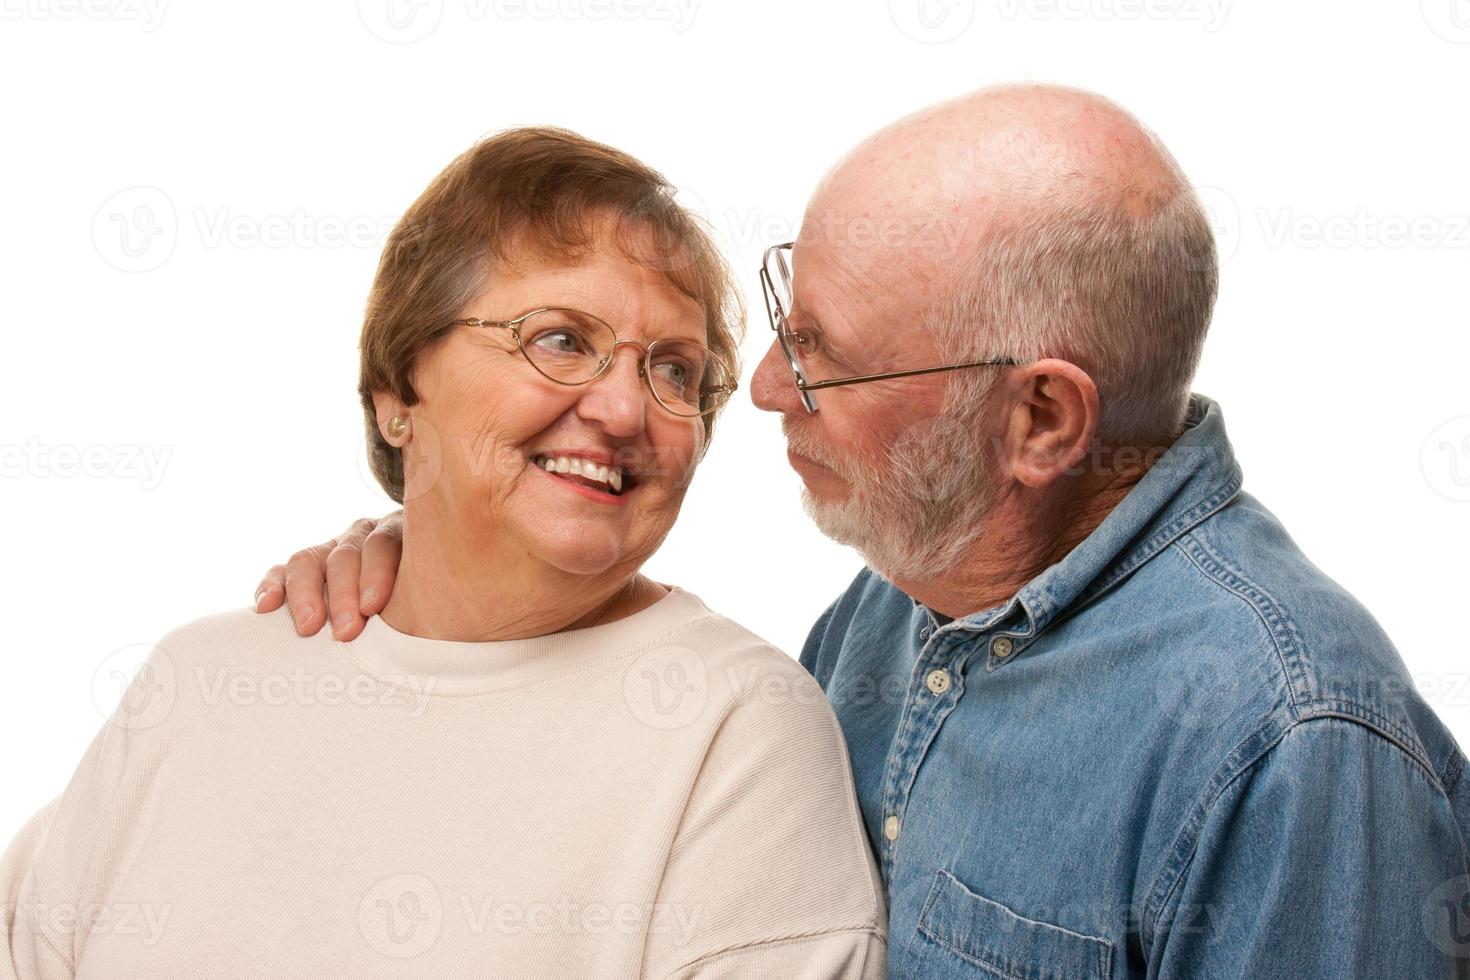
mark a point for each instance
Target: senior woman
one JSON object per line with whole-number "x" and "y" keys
{"x": 535, "y": 762}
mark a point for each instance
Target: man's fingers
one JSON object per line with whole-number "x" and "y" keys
{"x": 344, "y": 562}
{"x": 381, "y": 553}
{"x": 306, "y": 575}
{"x": 271, "y": 591}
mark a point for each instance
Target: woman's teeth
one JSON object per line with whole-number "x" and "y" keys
{"x": 610, "y": 476}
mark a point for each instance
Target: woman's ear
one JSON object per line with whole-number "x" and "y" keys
{"x": 392, "y": 416}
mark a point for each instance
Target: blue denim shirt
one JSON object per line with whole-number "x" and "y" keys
{"x": 1181, "y": 751}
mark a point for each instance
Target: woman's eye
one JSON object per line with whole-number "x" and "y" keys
{"x": 674, "y": 372}
{"x": 559, "y": 341}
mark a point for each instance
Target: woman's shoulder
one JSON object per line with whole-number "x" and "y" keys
{"x": 236, "y": 629}
{"x": 232, "y": 643}
{"x": 740, "y": 668}
{"x": 726, "y": 641}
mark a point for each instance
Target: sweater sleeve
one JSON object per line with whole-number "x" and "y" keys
{"x": 29, "y": 953}
{"x": 770, "y": 873}
{"x": 56, "y": 874}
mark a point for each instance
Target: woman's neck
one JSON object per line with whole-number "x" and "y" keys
{"x": 456, "y": 593}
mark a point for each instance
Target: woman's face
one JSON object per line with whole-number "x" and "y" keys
{"x": 487, "y": 422}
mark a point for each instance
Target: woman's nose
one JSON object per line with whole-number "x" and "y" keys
{"x": 619, "y": 399}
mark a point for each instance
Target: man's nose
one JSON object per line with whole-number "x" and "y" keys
{"x": 618, "y": 400}
{"x": 773, "y": 387}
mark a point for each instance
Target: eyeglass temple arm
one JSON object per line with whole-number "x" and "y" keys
{"x": 838, "y": 382}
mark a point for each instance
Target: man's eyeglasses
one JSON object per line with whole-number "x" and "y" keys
{"x": 575, "y": 348}
{"x": 776, "y": 284}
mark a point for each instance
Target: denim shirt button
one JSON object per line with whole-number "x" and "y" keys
{"x": 938, "y": 681}
{"x": 890, "y": 828}
{"x": 1002, "y": 647}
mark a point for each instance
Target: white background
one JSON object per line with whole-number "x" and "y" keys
{"x": 202, "y": 364}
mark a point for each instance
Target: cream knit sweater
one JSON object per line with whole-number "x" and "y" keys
{"x": 665, "y": 796}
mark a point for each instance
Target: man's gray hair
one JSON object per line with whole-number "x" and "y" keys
{"x": 1121, "y": 283}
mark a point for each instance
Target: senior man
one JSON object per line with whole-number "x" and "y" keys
{"x": 1105, "y": 719}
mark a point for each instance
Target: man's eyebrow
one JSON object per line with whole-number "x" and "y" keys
{"x": 806, "y": 321}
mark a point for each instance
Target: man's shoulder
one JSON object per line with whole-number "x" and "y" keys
{"x": 1278, "y": 639}
{"x": 869, "y": 605}
{"x": 869, "y": 598}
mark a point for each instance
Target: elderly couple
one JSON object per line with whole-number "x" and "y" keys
{"x": 1088, "y": 712}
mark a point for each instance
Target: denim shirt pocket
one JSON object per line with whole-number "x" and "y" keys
{"x": 958, "y": 927}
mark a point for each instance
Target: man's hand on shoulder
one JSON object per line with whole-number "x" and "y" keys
{"x": 357, "y": 569}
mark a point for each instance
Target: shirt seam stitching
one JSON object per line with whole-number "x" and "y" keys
{"x": 1295, "y": 679}
{"x": 1199, "y": 814}
{"x": 869, "y": 929}
{"x": 1291, "y": 649}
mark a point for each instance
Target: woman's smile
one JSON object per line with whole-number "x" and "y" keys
{"x": 603, "y": 482}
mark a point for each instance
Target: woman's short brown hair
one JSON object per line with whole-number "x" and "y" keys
{"x": 534, "y": 190}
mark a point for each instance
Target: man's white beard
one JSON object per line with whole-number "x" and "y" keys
{"x": 919, "y": 511}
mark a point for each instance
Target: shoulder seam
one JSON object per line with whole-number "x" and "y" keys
{"x": 1290, "y": 647}
{"x": 1277, "y": 624}
{"x": 1248, "y": 754}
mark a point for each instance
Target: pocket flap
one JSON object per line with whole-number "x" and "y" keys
{"x": 991, "y": 935}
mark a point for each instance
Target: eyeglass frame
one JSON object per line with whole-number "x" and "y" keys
{"x": 782, "y": 327}
{"x": 644, "y": 364}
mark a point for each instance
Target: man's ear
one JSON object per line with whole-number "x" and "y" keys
{"x": 1054, "y": 418}
{"x": 386, "y": 407}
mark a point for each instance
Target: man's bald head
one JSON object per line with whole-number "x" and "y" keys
{"x": 1032, "y": 221}
{"x": 1018, "y": 142}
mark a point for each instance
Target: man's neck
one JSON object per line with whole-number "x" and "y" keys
{"x": 454, "y": 589}
{"x": 1023, "y": 536}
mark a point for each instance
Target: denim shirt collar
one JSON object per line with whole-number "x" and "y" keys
{"x": 1195, "y": 477}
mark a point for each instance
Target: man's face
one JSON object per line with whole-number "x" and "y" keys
{"x": 884, "y": 468}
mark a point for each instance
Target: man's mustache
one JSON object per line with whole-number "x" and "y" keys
{"x": 804, "y": 444}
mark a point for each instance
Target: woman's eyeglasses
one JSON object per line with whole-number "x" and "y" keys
{"x": 575, "y": 348}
